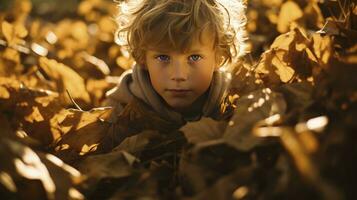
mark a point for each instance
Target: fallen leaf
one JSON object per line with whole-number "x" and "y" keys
{"x": 251, "y": 108}
{"x": 289, "y": 12}
{"x": 203, "y": 130}
{"x": 66, "y": 79}
{"x": 82, "y": 132}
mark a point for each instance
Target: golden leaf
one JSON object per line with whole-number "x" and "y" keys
{"x": 35, "y": 116}
{"x": 13, "y": 33}
{"x": 66, "y": 79}
{"x": 290, "y": 12}
{"x": 8, "y": 31}
{"x": 271, "y": 3}
{"x": 274, "y": 66}
{"x": 82, "y": 131}
{"x": 85, "y": 7}
{"x": 4, "y": 93}
{"x": 20, "y": 30}
{"x": 79, "y": 32}
{"x": 283, "y": 69}
{"x": 322, "y": 47}
{"x": 107, "y": 24}
{"x": 124, "y": 62}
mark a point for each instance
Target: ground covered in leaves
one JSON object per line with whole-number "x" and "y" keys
{"x": 292, "y": 135}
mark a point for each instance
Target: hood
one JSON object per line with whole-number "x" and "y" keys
{"x": 136, "y": 83}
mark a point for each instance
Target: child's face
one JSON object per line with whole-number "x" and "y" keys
{"x": 180, "y": 78}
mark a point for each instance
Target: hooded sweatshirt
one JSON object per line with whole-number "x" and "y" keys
{"x": 136, "y": 83}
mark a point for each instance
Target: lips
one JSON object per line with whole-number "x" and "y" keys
{"x": 178, "y": 92}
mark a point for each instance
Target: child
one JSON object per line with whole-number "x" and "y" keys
{"x": 181, "y": 48}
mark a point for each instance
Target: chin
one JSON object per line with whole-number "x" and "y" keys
{"x": 178, "y": 105}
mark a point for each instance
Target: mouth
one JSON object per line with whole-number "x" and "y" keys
{"x": 178, "y": 92}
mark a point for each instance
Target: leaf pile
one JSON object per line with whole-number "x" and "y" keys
{"x": 291, "y": 136}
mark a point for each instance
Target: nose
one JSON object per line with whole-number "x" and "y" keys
{"x": 179, "y": 71}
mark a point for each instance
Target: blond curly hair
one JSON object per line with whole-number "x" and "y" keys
{"x": 173, "y": 24}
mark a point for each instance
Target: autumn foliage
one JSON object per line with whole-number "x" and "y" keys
{"x": 292, "y": 134}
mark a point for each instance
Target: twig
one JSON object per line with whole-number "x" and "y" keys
{"x": 342, "y": 8}
{"x": 72, "y": 100}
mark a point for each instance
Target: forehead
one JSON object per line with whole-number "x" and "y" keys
{"x": 203, "y": 40}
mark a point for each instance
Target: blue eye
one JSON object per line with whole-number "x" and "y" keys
{"x": 163, "y": 58}
{"x": 195, "y": 58}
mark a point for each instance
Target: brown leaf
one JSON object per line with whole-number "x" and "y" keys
{"x": 112, "y": 165}
{"x": 274, "y": 67}
{"x": 35, "y": 175}
{"x": 82, "y": 132}
{"x": 250, "y": 109}
{"x": 32, "y": 108}
{"x": 205, "y": 129}
{"x": 290, "y": 55}
{"x": 66, "y": 79}
{"x": 313, "y": 15}
{"x": 97, "y": 89}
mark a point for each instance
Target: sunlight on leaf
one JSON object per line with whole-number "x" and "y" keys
{"x": 66, "y": 79}
{"x": 241, "y": 192}
{"x": 35, "y": 116}
{"x": 75, "y": 194}
{"x": 290, "y": 11}
{"x": 4, "y": 93}
{"x": 203, "y": 130}
{"x": 315, "y": 124}
{"x": 6, "y": 180}
{"x": 60, "y": 163}
{"x": 38, "y": 49}
{"x": 31, "y": 167}
{"x": 86, "y": 149}
{"x": 8, "y": 31}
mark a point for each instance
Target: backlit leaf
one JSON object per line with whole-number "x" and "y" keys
{"x": 66, "y": 79}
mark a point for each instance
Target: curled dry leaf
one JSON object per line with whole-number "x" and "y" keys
{"x": 251, "y": 108}
{"x": 291, "y": 55}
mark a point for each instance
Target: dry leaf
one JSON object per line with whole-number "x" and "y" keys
{"x": 313, "y": 15}
{"x": 251, "y": 108}
{"x": 289, "y": 12}
{"x": 32, "y": 108}
{"x": 82, "y": 132}
{"x": 66, "y": 79}
{"x": 203, "y": 130}
{"x": 47, "y": 176}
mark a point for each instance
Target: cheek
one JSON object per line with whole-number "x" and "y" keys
{"x": 203, "y": 80}
{"x": 157, "y": 79}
